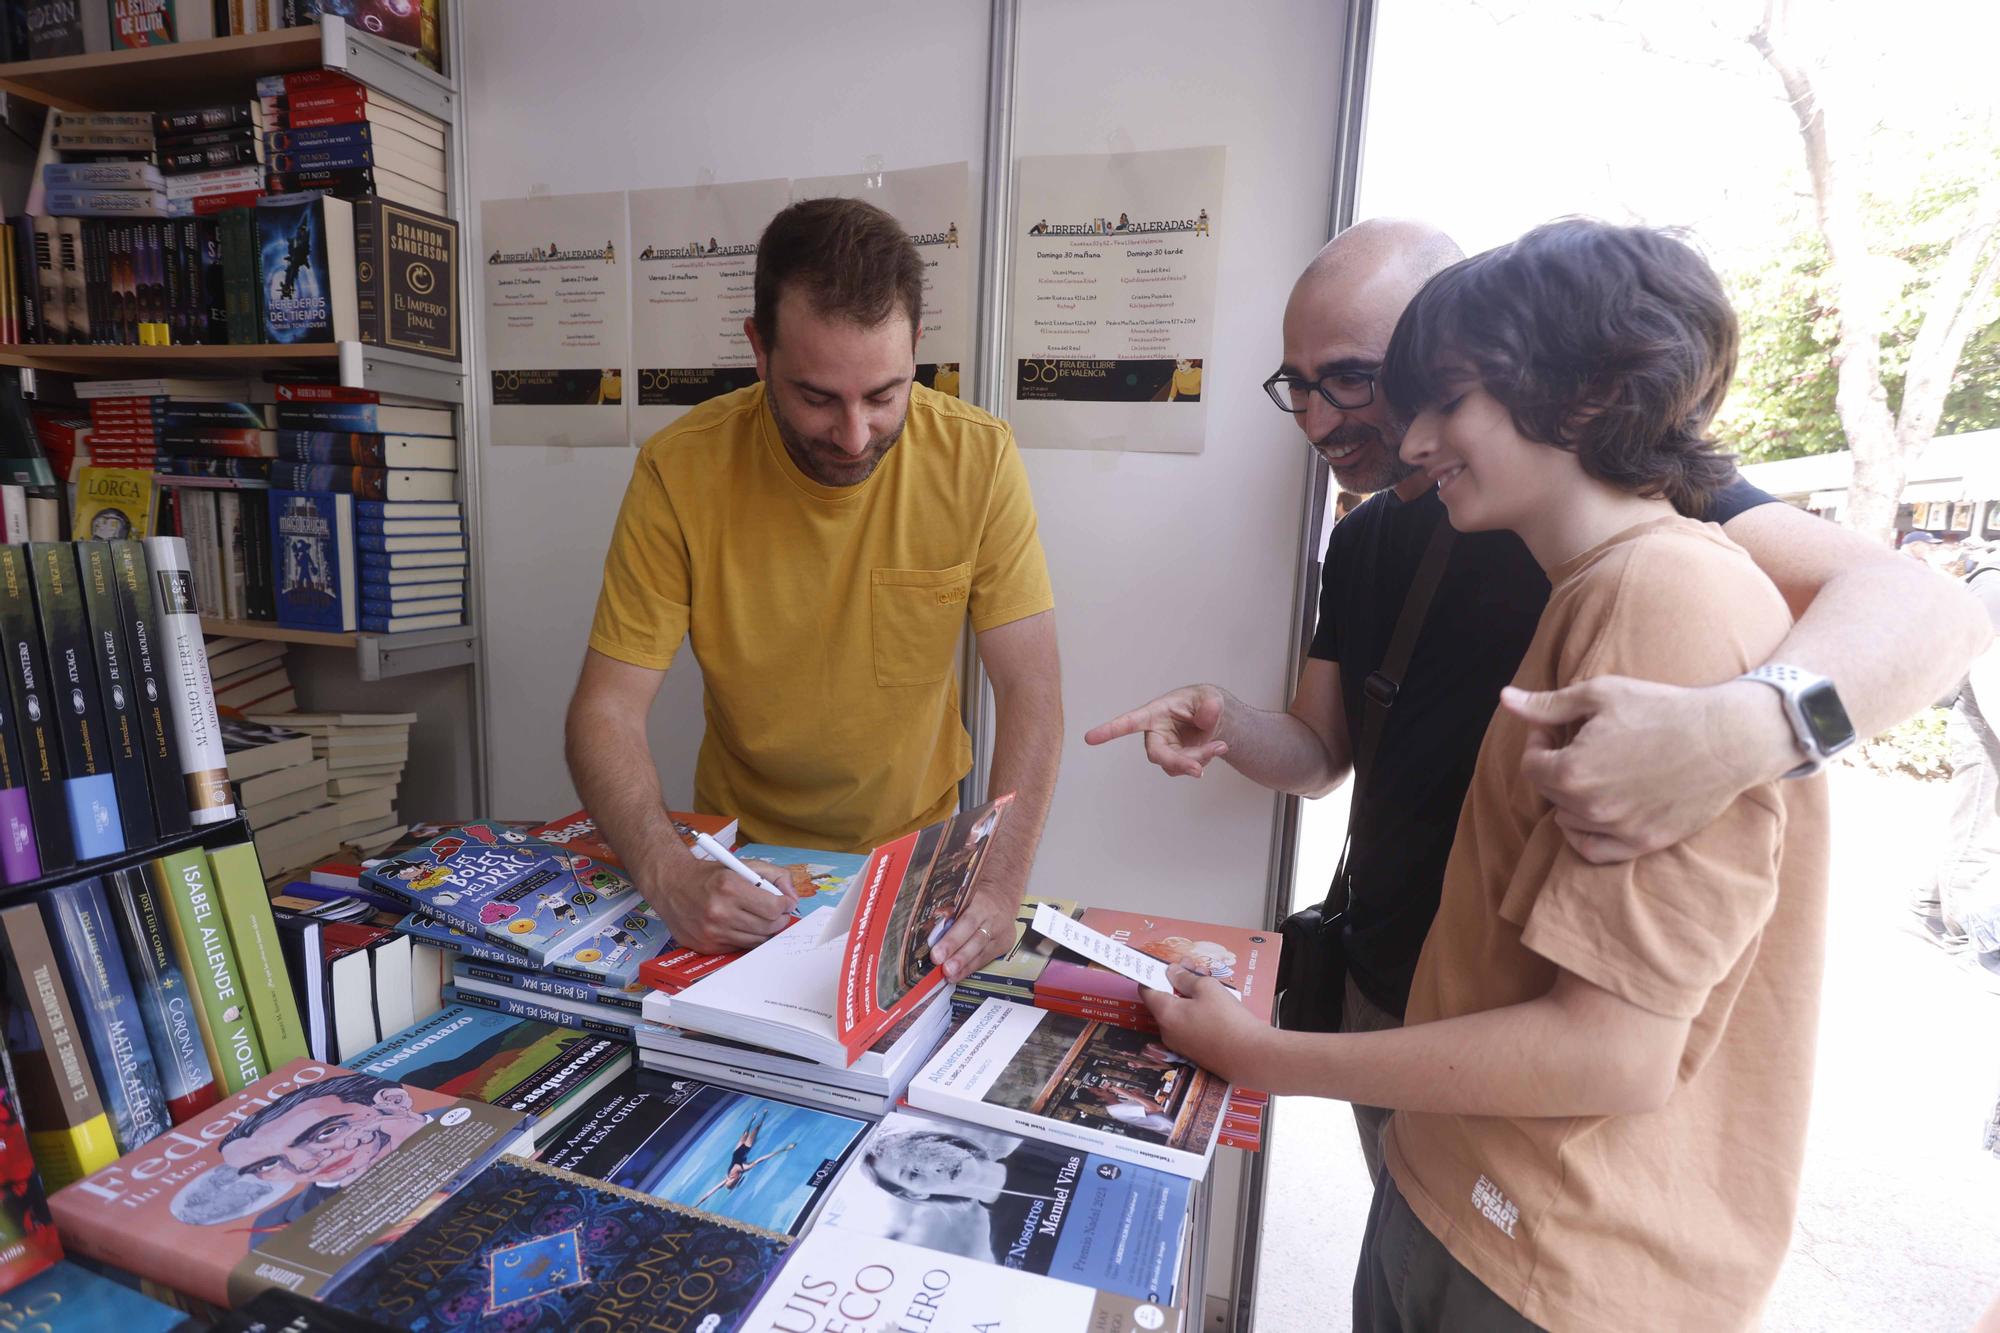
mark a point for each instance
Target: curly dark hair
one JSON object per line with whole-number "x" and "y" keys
{"x": 851, "y": 258}
{"x": 1614, "y": 343}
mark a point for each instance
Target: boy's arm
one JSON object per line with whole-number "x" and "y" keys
{"x": 1577, "y": 1051}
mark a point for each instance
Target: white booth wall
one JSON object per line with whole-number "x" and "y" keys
{"x": 1167, "y": 568}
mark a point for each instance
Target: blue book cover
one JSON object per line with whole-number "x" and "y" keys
{"x": 320, "y": 136}
{"x": 1019, "y": 1203}
{"x": 107, "y": 1008}
{"x": 610, "y": 950}
{"x": 402, "y": 625}
{"x": 469, "y": 967}
{"x": 514, "y": 891}
{"x": 312, "y": 544}
{"x": 67, "y": 1296}
{"x": 334, "y": 157}
{"x": 293, "y": 271}
{"x": 819, "y": 877}
{"x": 173, "y": 1028}
{"x": 522, "y": 1246}
{"x": 744, "y": 1157}
{"x": 378, "y": 541}
{"x": 617, "y": 1023}
{"x": 368, "y": 419}
{"x": 375, "y": 511}
{"x": 381, "y": 611}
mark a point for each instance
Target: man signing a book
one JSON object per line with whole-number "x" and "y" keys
{"x": 822, "y": 537}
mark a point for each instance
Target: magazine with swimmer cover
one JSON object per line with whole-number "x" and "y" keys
{"x": 290, "y": 1182}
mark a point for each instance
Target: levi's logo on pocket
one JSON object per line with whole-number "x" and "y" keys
{"x": 951, "y": 596}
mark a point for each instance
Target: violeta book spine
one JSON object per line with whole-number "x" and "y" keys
{"x": 202, "y": 945}
{"x": 166, "y": 1002}
{"x": 260, "y": 956}
{"x": 204, "y": 767}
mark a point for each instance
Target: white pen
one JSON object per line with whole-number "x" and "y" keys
{"x": 717, "y": 852}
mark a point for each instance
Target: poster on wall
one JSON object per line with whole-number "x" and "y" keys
{"x": 557, "y": 318}
{"x": 1114, "y": 299}
{"x": 934, "y": 204}
{"x": 694, "y": 262}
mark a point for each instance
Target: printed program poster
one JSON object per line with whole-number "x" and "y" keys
{"x": 557, "y": 318}
{"x": 934, "y": 204}
{"x": 1114, "y": 299}
{"x": 694, "y": 262}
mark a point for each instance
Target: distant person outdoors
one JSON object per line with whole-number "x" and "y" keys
{"x": 1959, "y": 907}
{"x": 1630, "y": 766}
{"x": 1601, "y": 1091}
{"x": 823, "y": 537}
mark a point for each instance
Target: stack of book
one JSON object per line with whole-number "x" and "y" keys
{"x": 210, "y": 158}
{"x": 105, "y": 166}
{"x": 364, "y": 755}
{"x": 250, "y": 676}
{"x": 281, "y": 789}
{"x": 356, "y": 982}
{"x": 326, "y": 131}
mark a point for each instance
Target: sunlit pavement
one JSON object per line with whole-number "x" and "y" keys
{"x": 1899, "y": 1216}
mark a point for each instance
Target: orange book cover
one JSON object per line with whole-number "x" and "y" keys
{"x": 1244, "y": 960}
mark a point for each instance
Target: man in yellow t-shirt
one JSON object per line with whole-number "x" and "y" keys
{"x": 822, "y": 538}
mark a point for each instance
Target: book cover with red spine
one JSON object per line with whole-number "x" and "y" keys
{"x": 904, "y": 900}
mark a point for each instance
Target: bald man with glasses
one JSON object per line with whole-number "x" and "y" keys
{"x": 1630, "y": 766}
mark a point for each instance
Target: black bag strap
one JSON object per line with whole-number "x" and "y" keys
{"x": 1383, "y": 684}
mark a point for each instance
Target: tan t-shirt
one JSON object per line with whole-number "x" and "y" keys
{"x": 1679, "y": 1218}
{"x": 826, "y": 619}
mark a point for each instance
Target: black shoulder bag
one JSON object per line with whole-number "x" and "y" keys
{"x": 1312, "y": 970}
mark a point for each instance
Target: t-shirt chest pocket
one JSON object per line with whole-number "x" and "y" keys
{"x": 916, "y": 617}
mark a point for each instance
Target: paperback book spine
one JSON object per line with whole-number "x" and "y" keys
{"x": 68, "y": 1128}
{"x": 19, "y": 862}
{"x": 94, "y": 821}
{"x": 239, "y": 882}
{"x": 134, "y": 597}
{"x": 567, "y": 988}
{"x": 34, "y": 710}
{"x": 123, "y": 730}
{"x": 522, "y": 1007}
{"x": 94, "y": 971}
{"x": 165, "y": 1002}
{"x": 202, "y": 945}
{"x": 204, "y": 767}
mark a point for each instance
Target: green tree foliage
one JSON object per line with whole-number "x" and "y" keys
{"x": 1782, "y": 403}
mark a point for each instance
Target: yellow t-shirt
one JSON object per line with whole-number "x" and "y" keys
{"x": 826, "y": 619}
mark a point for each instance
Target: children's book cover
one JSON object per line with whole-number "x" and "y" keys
{"x": 524, "y": 1246}
{"x": 578, "y": 832}
{"x": 731, "y": 1153}
{"x": 610, "y": 949}
{"x": 312, "y": 537}
{"x": 495, "y": 880}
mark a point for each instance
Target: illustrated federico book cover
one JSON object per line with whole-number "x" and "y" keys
{"x": 497, "y": 882}
{"x": 208, "y": 1207}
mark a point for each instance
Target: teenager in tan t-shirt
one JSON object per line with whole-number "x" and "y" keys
{"x": 1602, "y": 1090}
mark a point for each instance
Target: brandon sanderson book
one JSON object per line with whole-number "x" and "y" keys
{"x": 291, "y": 1182}
{"x": 526, "y": 1247}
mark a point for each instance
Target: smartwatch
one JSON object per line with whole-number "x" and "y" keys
{"x": 1819, "y": 720}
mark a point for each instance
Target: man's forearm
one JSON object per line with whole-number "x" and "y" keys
{"x": 1277, "y": 750}
{"x": 1027, "y": 750}
{"x": 613, "y": 771}
{"x": 1893, "y": 641}
{"x": 1524, "y": 1061}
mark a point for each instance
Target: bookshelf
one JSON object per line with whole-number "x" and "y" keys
{"x": 227, "y": 833}
{"x": 339, "y": 669}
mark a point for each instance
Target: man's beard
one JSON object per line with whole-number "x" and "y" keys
{"x": 1376, "y": 466}
{"x": 827, "y": 463}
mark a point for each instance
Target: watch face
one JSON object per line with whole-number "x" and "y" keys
{"x": 1823, "y": 712}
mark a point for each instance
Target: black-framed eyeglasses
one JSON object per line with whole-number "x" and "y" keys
{"x": 1344, "y": 389}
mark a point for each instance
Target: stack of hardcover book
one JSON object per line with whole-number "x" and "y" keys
{"x": 363, "y": 755}
{"x": 106, "y": 166}
{"x": 329, "y": 132}
{"x": 210, "y": 158}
